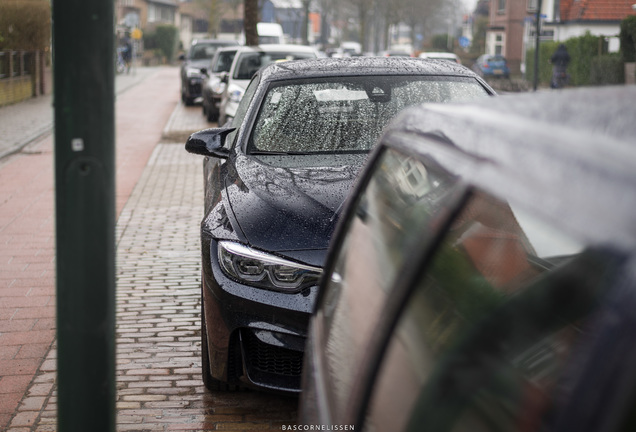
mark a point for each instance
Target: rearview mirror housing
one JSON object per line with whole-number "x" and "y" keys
{"x": 209, "y": 142}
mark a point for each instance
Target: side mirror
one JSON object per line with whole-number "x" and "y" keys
{"x": 224, "y": 78}
{"x": 204, "y": 71}
{"x": 209, "y": 142}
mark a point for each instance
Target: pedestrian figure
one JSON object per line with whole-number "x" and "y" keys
{"x": 126, "y": 54}
{"x": 560, "y": 60}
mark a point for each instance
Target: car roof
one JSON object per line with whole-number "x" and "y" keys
{"x": 570, "y": 155}
{"x": 276, "y": 48}
{"x": 214, "y": 41}
{"x": 439, "y": 54}
{"x": 360, "y": 66}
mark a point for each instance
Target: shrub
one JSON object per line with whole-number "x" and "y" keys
{"x": 163, "y": 39}
{"x": 628, "y": 38}
{"x": 583, "y": 50}
{"x": 607, "y": 70}
{"x": 25, "y": 25}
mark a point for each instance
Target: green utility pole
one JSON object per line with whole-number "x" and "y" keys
{"x": 83, "y": 56}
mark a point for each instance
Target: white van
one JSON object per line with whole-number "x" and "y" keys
{"x": 270, "y": 33}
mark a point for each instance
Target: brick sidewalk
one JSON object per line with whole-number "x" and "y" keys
{"x": 158, "y": 294}
{"x": 27, "y": 268}
{"x": 158, "y": 328}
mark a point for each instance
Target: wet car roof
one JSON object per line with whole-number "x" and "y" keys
{"x": 573, "y": 150}
{"x": 360, "y": 66}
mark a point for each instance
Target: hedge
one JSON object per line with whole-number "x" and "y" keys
{"x": 163, "y": 39}
{"x": 628, "y": 38}
{"x": 584, "y": 52}
{"x": 25, "y": 25}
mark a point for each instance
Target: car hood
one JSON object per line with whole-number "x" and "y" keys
{"x": 290, "y": 203}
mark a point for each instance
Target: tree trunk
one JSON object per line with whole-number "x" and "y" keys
{"x": 250, "y": 19}
{"x": 304, "y": 33}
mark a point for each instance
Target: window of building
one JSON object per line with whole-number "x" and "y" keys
{"x": 159, "y": 13}
{"x": 501, "y": 6}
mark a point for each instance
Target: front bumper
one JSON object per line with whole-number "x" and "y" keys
{"x": 255, "y": 337}
{"x": 194, "y": 87}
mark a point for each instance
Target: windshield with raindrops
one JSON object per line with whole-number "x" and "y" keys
{"x": 345, "y": 114}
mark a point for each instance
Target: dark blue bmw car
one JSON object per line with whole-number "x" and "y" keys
{"x": 275, "y": 184}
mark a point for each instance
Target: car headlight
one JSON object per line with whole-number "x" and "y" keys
{"x": 193, "y": 72}
{"x": 213, "y": 82}
{"x": 218, "y": 88}
{"x": 235, "y": 93}
{"x": 263, "y": 270}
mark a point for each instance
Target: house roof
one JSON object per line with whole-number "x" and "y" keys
{"x": 595, "y": 10}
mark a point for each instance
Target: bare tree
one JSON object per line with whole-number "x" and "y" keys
{"x": 363, "y": 10}
{"x": 215, "y": 10}
{"x": 420, "y": 14}
{"x": 305, "y": 30}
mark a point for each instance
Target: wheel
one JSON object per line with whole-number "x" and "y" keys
{"x": 209, "y": 381}
{"x": 188, "y": 101}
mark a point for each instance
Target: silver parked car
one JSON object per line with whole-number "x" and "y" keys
{"x": 247, "y": 61}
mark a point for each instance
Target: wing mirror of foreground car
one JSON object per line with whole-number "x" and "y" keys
{"x": 209, "y": 142}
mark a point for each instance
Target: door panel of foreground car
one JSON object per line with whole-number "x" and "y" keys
{"x": 401, "y": 195}
{"x": 476, "y": 336}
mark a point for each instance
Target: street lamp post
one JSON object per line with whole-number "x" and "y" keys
{"x": 536, "y": 46}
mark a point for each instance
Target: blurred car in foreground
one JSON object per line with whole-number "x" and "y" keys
{"x": 247, "y": 61}
{"x": 214, "y": 81}
{"x": 452, "y": 57}
{"x": 199, "y": 55}
{"x": 274, "y": 194}
{"x": 491, "y": 66}
{"x": 483, "y": 274}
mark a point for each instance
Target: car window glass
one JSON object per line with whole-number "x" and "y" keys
{"x": 345, "y": 114}
{"x": 224, "y": 61}
{"x": 401, "y": 194}
{"x": 242, "y": 109}
{"x": 482, "y": 341}
{"x": 249, "y": 63}
{"x": 202, "y": 51}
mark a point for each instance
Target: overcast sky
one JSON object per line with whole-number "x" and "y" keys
{"x": 469, "y": 5}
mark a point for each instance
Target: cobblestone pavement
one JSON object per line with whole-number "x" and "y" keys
{"x": 27, "y": 121}
{"x": 158, "y": 328}
{"x": 27, "y": 232}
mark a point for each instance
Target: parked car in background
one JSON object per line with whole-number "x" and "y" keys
{"x": 482, "y": 276}
{"x": 395, "y": 53}
{"x": 492, "y": 66}
{"x": 247, "y": 61}
{"x": 274, "y": 188}
{"x": 214, "y": 81}
{"x": 199, "y": 55}
{"x": 441, "y": 56}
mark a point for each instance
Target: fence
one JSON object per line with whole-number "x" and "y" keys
{"x": 23, "y": 75}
